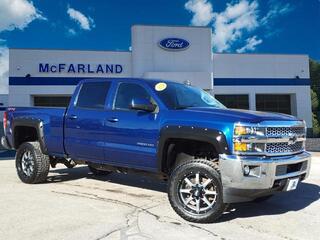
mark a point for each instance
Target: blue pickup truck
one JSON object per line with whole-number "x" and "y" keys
{"x": 210, "y": 155}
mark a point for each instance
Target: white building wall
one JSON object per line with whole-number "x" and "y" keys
{"x": 266, "y": 66}
{"x": 199, "y": 79}
{"x": 260, "y": 66}
{"x": 23, "y": 95}
{"x": 300, "y": 93}
{"x": 193, "y": 64}
{"x": 26, "y": 61}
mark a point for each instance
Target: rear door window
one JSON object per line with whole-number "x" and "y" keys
{"x": 93, "y": 95}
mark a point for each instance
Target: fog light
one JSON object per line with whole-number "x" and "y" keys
{"x": 240, "y": 147}
{"x": 246, "y": 170}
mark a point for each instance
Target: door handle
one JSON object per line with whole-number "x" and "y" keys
{"x": 73, "y": 117}
{"x": 113, "y": 120}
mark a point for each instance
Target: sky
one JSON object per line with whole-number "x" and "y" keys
{"x": 238, "y": 26}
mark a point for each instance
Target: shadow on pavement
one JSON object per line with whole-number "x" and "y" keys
{"x": 280, "y": 203}
{"x": 132, "y": 180}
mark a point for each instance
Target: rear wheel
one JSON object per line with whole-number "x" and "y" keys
{"x": 195, "y": 191}
{"x": 98, "y": 172}
{"x": 31, "y": 164}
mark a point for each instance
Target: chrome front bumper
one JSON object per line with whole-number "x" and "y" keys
{"x": 267, "y": 175}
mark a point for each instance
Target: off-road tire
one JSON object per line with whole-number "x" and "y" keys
{"x": 97, "y": 172}
{"x": 203, "y": 166}
{"x": 41, "y": 163}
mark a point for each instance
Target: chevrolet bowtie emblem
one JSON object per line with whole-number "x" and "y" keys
{"x": 292, "y": 140}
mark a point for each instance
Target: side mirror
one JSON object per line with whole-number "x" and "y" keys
{"x": 142, "y": 104}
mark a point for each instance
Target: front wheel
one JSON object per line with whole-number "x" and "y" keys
{"x": 195, "y": 191}
{"x": 31, "y": 164}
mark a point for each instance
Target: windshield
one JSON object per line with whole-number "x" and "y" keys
{"x": 180, "y": 96}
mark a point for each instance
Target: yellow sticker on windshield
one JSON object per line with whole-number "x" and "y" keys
{"x": 160, "y": 86}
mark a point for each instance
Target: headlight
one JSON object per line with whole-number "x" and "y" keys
{"x": 247, "y": 132}
{"x": 240, "y": 130}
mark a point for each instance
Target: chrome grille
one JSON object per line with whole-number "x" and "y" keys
{"x": 283, "y": 147}
{"x": 272, "y": 138}
{"x": 285, "y": 131}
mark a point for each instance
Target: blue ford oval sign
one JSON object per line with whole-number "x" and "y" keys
{"x": 174, "y": 44}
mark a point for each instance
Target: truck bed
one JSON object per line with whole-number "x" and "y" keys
{"x": 53, "y": 122}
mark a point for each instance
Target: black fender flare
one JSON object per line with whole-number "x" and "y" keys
{"x": 34, "y": 123}
{"x": 212, "y": 136}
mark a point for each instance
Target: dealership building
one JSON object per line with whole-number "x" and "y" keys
{"x": 266, "y": 82}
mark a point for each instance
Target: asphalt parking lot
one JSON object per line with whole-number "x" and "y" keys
{"x": 73, "y": 204}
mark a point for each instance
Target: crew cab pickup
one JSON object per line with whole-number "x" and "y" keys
{"x": 210, "y": 155}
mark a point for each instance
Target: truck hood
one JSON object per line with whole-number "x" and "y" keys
{"x": 237, "y": 115}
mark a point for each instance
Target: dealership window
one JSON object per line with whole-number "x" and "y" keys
{"x": 51, "y": 101}
{"x": 274, "y": 103}
{"x": 238, "y": 101}
{"x": 93, "y": 95}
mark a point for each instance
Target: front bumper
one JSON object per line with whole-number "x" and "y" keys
{"x": 5, "y": 143}
{"x": 267, "y": 175}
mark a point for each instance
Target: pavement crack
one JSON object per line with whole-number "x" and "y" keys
{"x": 203, "y": 229}
{"x": 177, "y": 222}
{"x": 108, "y": 190}
{"x": 108, "y": 234}
{"x": 96, "y": 197}
{"x": 131, "y": 217}
{"x": 134, "y": 215}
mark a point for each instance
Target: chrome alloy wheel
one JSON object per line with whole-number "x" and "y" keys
{"x": 198, "y": 193}
{"x": 27, "y": 163}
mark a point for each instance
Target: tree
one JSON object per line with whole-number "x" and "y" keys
{"x": 315, "y": 126}
{"x": 314, "y": 101}
{"x": 315, "y": 75}
{"x": 315, "y": 95}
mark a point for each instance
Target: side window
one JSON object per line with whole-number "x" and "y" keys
{"x": 93, "y": 95}
{"x": 128, "y": 91}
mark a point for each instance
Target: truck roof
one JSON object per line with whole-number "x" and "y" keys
{"x": 128, "y": 79}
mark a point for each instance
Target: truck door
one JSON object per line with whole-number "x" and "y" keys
{"x": 131, "y": 135}
{"x": 85, "y": 122}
